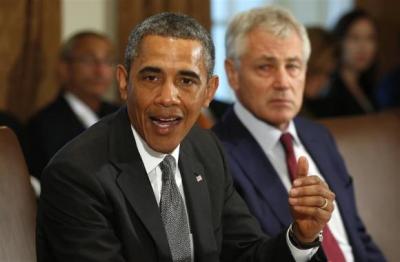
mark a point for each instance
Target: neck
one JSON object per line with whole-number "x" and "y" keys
{"x": 283, "y": 127}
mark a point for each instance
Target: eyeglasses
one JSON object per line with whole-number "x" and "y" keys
{"x": 93, "y": 61}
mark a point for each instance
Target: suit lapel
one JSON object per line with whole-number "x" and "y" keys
{"x": 257, "y": 167}
{"x": 74, "y": 123}
{"x": 197, "y": 201}
{"x": 264, "y": 178}
{"x": 133, "y": 181}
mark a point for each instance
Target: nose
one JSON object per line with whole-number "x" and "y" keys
{"x": 103, "y": 67}
{"x": 168, "y": 94}
{"x": 281, "y": 78}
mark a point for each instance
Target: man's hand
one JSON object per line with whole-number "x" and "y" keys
{"x": 311, "y": 204}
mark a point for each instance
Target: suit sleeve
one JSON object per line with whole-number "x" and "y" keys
{"x": 74, "y": 218}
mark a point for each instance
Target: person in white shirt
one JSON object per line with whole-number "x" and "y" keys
{"x": 86, "y": 71}
{"x": 267, "y": 53}
{"x": 147, "y": 184}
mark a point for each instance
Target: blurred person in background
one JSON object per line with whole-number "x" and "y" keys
{"x": 321, "y": 64}
{"x": 86, "y": 71}
{"x": 353, "y": 83}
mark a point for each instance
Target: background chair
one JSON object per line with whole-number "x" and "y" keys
{"x": 17, "y": 203}
{"x": 370, "y": 146}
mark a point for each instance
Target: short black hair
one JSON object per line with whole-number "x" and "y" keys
{"x": 67, "y": 48}
{"x": 171, "y": 25}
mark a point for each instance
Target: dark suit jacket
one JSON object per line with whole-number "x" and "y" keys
{"x": 9, "y": 120}
{"x": 97, "y": 203}
{"x": 52, "y": 128}
{"x": 258, "y": 183}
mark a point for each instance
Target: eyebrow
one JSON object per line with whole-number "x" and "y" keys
{"x": 274, "y": 59}
{"x": 189, "y": 74}
{"x": 150, "y": 69}
{"x": 294, "y": 59}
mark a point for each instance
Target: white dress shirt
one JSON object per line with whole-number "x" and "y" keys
{"x": 84, "y": 113}
{"x": 267, "y": 137}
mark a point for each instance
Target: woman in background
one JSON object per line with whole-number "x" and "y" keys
{"x": 321, "y": 64}
{"x": 352, "y": 84}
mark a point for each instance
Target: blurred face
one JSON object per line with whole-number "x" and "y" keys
{"x": 166, "y": 89}
{"x": 90, "y": 70}
{"x": 359, "y": 46}
{"x": 269, "y": 81}
{"x": 318, "y": 73}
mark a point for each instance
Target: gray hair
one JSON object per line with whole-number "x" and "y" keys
{"x": 171, "y": 25}
{"x": 68, "y": 47}
{"x": 278, "y": 21}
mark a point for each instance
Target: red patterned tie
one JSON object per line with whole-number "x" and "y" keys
{"x": 286, "y": 140}
{"x": 329, "y": 243}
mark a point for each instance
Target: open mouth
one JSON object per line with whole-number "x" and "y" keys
{"x": 165, "y": 124}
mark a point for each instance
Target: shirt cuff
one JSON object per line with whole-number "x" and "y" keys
{"x": 300, "y": 255}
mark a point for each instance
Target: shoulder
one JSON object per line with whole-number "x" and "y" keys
{"x": 81, "y": 165}
{"x": 107, "y": 108}
{"x": 87, "y": 150}
{"x": 53, "y": 111}
{"x": 306, "y": 125}
{"x": 202, "y": 140}
{"x": 229, "y": 127}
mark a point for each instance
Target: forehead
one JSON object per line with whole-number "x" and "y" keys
{"x": 92, "y": 44}
{"x": 262, "y": 43}
{"x": 170, "y": 53}
{"x": 362, "y": 25}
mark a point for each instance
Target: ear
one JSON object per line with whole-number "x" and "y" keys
{"x": 212, "y": 87}
{"x": 122, "y": 80}
{"x": 232, "y": 74}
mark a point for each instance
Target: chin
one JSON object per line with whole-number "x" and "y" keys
{"x": 280, "y": 121}
{"x": 164, "y": 148}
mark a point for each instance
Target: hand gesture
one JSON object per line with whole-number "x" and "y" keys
{"x": 311, "y": 204}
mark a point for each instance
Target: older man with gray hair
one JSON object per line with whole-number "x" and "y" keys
{"x": 267, "y": 51}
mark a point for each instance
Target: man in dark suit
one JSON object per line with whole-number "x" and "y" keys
{"x": 143, "y": 184}
{"x": 267, "y": 53}
{"x": 86, "y": 71}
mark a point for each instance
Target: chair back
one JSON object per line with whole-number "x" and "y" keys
{"x": 370, "y": 146}
{"x": 17, "y": 202}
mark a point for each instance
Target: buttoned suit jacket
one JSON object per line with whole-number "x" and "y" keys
{"x": 97, "y": 203}
{"x": 258, "y": 183}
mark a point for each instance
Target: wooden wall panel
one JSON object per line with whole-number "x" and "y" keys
{"x": 30, "y": 33}
{"x": 131, "y": 13}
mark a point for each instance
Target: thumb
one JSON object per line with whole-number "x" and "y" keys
{"x": 302, "y": 167}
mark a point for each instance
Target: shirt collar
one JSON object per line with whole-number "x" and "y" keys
{"x": 150, "y": 158}
{"x": 83, "y": 111}
{"x": 265, "y": 134}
